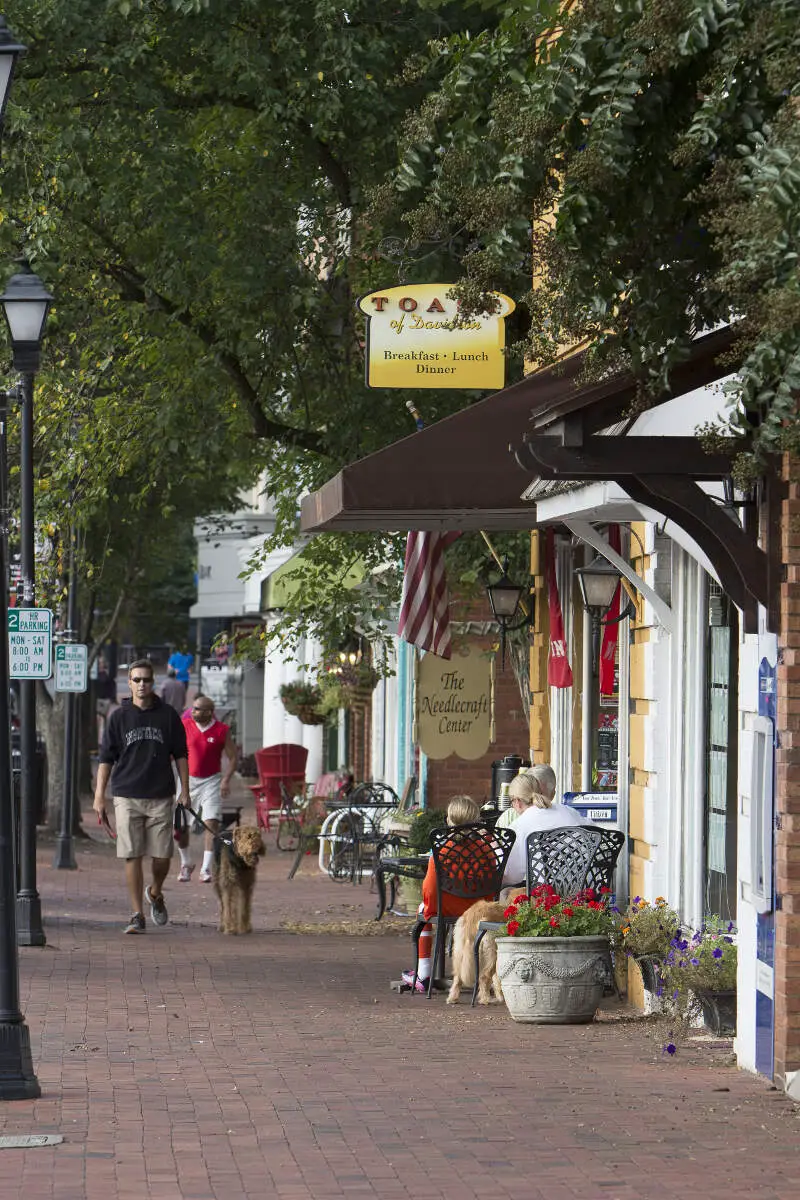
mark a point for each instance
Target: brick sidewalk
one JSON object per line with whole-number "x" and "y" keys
{"x": 183, "y": 1065}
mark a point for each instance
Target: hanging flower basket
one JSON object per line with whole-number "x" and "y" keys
{"x": 302, "y": 700}
{"x": 348, "y": 687}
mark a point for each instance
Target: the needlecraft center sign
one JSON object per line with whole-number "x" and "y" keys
{"x": 454, "y": 703}
{"x": 416, "y": 338}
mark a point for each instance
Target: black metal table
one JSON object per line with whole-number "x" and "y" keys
{"x": 405, "y": 866}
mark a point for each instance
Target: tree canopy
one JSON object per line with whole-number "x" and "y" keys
{"x": 640, "y": 160}
{"x": 190, "y": 179}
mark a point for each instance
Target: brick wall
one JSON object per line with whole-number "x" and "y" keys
{"x": 787, "y": 865}
{"x": 452, "y": 776}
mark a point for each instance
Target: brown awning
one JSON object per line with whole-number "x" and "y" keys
{"x": 461, "y": 473}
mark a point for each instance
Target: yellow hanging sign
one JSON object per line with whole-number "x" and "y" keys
{"x": 417, "y": 339}
{"x": 454, "y": 703}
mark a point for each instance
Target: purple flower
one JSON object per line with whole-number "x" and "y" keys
{"x": 660, "y": 990}
{"x": 716, "y": 953}
{"x": 730, "y": 926}
{"x": 669, "y": 1048}
{"x": 636, "y": 899}
{"x": 728, "y": 940}
{"x": 675, "y": 994}
{"x": 696, "y": 961}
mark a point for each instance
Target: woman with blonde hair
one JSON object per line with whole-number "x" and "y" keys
{"x": 532, "y": 795}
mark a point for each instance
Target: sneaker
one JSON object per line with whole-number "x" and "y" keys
{"x": 420, "y": 986}
{"x": 136, "y": 924}
{"x": 158, "y": 909}
{"x": 185, "y": 873}
{"x": 205, "y": 877}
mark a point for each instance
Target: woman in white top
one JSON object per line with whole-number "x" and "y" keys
{"x": 536, "y": 810}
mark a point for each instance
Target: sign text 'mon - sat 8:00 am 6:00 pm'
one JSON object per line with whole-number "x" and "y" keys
{"x": 30, "y": 653}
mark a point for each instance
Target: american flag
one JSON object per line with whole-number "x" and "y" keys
{"x": 424, "y": 616}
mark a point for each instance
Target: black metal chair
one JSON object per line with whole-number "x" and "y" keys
{"x": 571, "y": 859}
{"x": 469, "y": 861}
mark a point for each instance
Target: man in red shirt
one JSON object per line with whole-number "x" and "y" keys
{"x": 207, "y": 739}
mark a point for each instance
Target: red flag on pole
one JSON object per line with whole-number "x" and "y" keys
{"x": 559, "y": 672}
{"x": 424, "y": 608}
{"x": 608, "y": 650}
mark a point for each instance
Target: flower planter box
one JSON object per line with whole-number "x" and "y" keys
{"x": 553, "y": 980}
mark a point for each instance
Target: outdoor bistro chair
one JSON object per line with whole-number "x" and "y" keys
{"x": 570, "y": 859}
{"x": 469, "y": 861}
{"x": 284, "y": 763}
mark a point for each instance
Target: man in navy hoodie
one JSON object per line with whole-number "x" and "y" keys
{"x": 142, "y": 739}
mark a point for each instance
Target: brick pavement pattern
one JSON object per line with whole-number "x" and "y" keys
{"x": 184, "y": 1065}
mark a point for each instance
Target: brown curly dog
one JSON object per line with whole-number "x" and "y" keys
{"x": 464, "y": 954}
{"x": 235, "y": 878}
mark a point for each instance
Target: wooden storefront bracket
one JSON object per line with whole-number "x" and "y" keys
{"x": 662, "y": 472}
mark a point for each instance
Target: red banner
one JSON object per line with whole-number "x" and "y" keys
{"x": 559, "y": 672}
{"x": 608, "y": 650}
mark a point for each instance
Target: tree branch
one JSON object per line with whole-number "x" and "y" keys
{"x": 134, "y": 286}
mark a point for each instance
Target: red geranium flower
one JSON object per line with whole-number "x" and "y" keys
{"x": 605, "y": 891}
{"x": 568, "y": 912}
{"x": 523, "y": 898}
{"x": 554, "y": 923}
{"x": 511, "y": 911}
{"x": 512, "y": 928}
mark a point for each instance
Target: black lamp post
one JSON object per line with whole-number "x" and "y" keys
{"x": 505, "y": 598}
{"x": 26, "y": 303}
{"x": 17, "y": 1078}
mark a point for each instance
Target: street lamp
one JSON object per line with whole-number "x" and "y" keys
{"x": 10, "y": 50}
{"x": 505, "y": 598}
{"x": 598, "y": 582}
{"x": 26, "y": 303}
{"x": 17, "y": 1078}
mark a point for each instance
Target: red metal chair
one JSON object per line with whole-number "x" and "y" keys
{"x": 282, "y": 764}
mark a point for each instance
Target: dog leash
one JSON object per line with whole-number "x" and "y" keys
{"x": 218, "y": 836}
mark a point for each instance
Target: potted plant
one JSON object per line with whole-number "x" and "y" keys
{"x": 347, "y": 687}
{"x": 699, "y": 976}
{"x": 421, "y": 826}
{"x": 555, "y": 959}
{"x": 302, "y": 700}
{"x": 644, "y": 932}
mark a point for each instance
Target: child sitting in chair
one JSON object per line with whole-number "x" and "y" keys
{"x": 462, "y": 810}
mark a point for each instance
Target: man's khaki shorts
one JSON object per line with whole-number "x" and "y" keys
{"x": 144, "y": 827}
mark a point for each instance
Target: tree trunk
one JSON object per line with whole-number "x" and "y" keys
{"x": 50, "y": 723}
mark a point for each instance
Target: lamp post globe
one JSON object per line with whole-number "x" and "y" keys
{"x": 26, "y": 303}
{"x": 504, "y": 597}
{"x": 10, "y": 50}
{"x": 598, "y": 582}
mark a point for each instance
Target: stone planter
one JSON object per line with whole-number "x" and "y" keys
{"x": 719, "y": 1011}
{"x": 553, "y": 981}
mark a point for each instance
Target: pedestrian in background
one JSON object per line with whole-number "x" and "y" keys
{"x": 143, "y": 738}
{"x": 181, "y": 662}
{"x": 173, "y": 691}
{"x": 207, "y": 739}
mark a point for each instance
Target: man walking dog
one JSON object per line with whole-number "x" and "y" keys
{"x": 142, "y": 739}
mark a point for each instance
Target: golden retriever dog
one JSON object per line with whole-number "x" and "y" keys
{"x": 235, "y": 877}
{"x": 464, "y": 953}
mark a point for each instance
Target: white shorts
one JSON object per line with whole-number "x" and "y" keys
{"x": 205, "y": 797}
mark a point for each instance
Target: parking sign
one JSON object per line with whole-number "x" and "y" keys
{"x": 30, "y": 653}
{"x": 71, "y": 662}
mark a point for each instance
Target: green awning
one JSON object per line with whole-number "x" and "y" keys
{"x": 287, "y": 580}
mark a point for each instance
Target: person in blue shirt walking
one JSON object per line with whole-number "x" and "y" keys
{"x": 181, "y": 661}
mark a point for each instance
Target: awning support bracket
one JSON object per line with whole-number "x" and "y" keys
{"x": 587, "y": 533}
